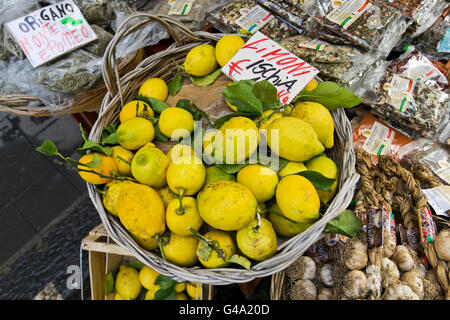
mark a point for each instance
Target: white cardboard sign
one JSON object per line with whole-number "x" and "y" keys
{"x": 50, "y": 32}
{"x": 263, "y": 59}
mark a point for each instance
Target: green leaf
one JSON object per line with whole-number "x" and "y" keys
{"x": 219, "y": 122}
{"x": 184, "y": 104}
{"x": 162, "y": 294}
{"x": 204, "y": 251}
{"x": 96, "y": 147}
{"x": 109, "y": 283}
{"x": 346, "y": 223}
{"x": 171, "y": 296}
{"x": 48, "y": 148}
{"x": 110, "y": 129}
{"x": 203, "y": 114}
{"x": 159, "y": 136}
{"x": 231, "y": 168}
{"x": 165, "y": 282}
{"x": 266, "y": 92}
{"x": 330, "y": 95}
{"x": 156, "y": 105}
{"x": 240, "y": 94}
{"x": 111, "y": 139}
{"x": 206, "y": 80}
{"x": 96, "y": 160}
{"x": 142, "y": 294}
{"x": 318, "y": 180}
{"x": 135, "y": 264}
{"x": 175, "y": 84}
{"x": 240, "y": 260}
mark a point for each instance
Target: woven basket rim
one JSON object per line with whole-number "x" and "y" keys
{"x": 287, "y": 253}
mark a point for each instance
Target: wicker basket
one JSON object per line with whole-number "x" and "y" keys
{"x": 89, "y": 100}
{"x": 164, "y": 65}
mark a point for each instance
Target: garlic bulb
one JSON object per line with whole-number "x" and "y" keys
{"x": 303, "y": 268}
{"x": 325, "y": 294}
{"x": 355, "y": 256}
{"x": 414, "y": 281}
{"x": 355, "y": 284}
{"x": 389, "y": 272}
{"x": 373, "y": 274}
{"x": 303, "y": 290}
{"x": 403, "y": 259}
{"x": 327, "y": 275}
{"x": 400, "y": 291}
{"x": 442, "y": 245}
{"x": 389, "y": 244}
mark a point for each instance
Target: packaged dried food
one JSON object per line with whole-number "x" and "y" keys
{"x": 414, "y": 65}
{"x": 98, "y": 47}
{"x": 332, "y": 60}
{"x": 412, "y": 106}
{"x": 250, "y": 16}
{"x": 365, "y": 23}
{"x": 191, "y": 12}
{"x": 423, "y": 12}
{"x": 435, "y": 42}
{"x": 377, "y": 138}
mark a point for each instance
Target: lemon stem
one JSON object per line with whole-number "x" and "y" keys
{"x": 258, "y": 217}
{"x": 158, "y": 239}
{"x": 180, "y": 210}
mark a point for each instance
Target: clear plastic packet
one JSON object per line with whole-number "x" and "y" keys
{"x": 191, "y": 12}
{"x": 431, "y": 154}
{"x": 10, "y": 10}
{"x": 414, "y": 65}
{"x": 330, "y": 59}
{"x": 17, "y": 76}
{"x": 365, "y": 23}
{"x": 407, "y": 104}
{"x": 98, "y": 47}
{"x": 248, "y": 15}
{"x": 77, "y": 71}
{"x": 377, "y": 137}
{"x": 147, "y": 36}
{"x": 435, "y": 42}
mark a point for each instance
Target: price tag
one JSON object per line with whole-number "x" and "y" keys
{"x": 50, "y": 32}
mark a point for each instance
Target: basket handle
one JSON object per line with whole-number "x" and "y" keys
{"x": 173, "y": 27}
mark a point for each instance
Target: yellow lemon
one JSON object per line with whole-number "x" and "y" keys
{"x": 180, "y": 287}
{"x": 319, "y": 118}
{"x": 310, "y": 86}
{"x": 181, "y": 214}
{"x": 328, "y": 169}
{"x": 291, "y": 168}
{"x": 135, "y": 133}
{"x": 226, "y": 205}
{"x": 237, "y": 140}
{"x": 166, "y": 195}
{"x": 293, "y": 139}
{"x": 111, "y": 196}
{"x": 180, "y": 296}
{"x": 150, "y": 295}
{"x": 225, "y": 246}
{"x": 149, "y": 166}
{"x": 180, "y": 150}
{"x": 107, "y": 168}
{"x": 194, "y": 290}
{"x": 227, "y": 47}
{"x": 257, "y": 240}
{"x": 147, "y": 277}
{"x": 181, "y": 250}
{"x": 263, "y": 124}
{"x": 141, "y": 210}
{"x": 284, "y": 226}
{"x": 145, "y": 241}
{"x": 200, "y": 60}
{"x": 154, "y": 88}
{"x": 260, "y": 180}
{"x": 177, "y": 122}
{"x": 186, "y": 176}
{"x": 135, "y": 108}
{"x": 127, "y": 283}
{"x": 122, "y": 158}
{"x": 118, "y": 297}
{"x": 298, "y": 199}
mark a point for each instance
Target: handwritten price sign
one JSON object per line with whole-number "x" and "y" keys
{"x": 263, "y": 59}
{"x": 50, "y": 32}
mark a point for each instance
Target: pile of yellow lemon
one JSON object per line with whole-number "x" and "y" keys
{"x": 197, "y": 215}
{"x": 130, "y": 282}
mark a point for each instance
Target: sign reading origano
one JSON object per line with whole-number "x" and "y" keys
{"x": 263, "y": 59}
{"x": 50, "y": 32}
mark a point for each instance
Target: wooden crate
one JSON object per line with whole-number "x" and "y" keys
{"x": 106, "y": 256}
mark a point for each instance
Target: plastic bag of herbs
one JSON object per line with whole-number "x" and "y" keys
{"x": 413, "y": 106}
{"x": 367, "y": 24}
{"x": 332, "y": 60}
{"x": 248, "y": 16}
